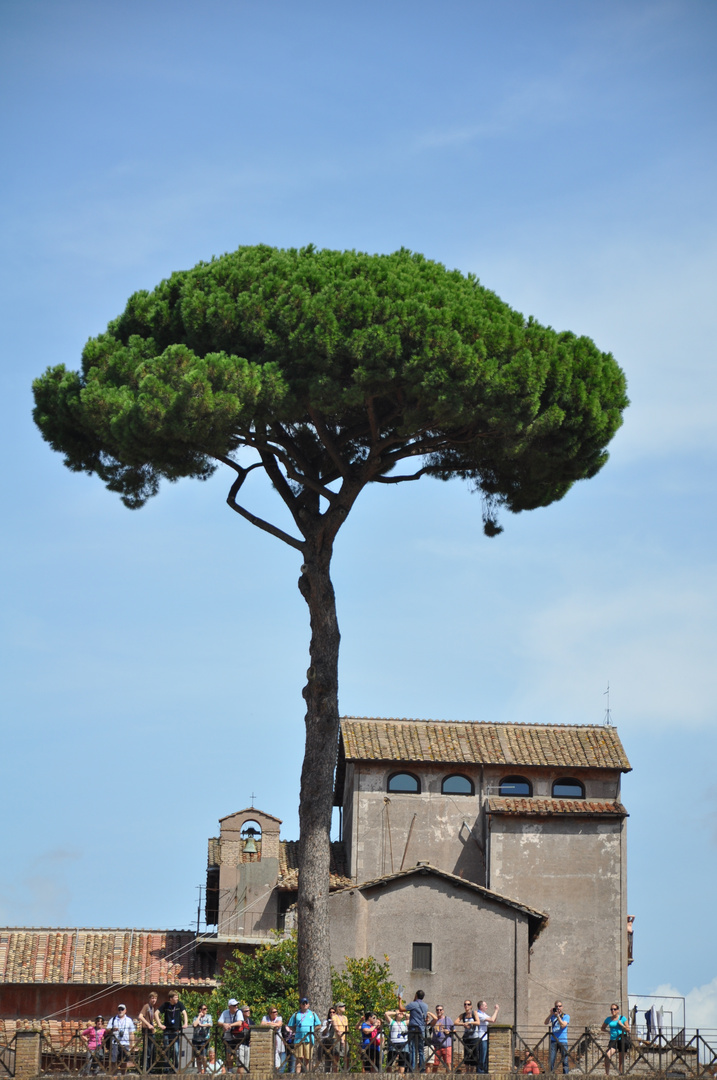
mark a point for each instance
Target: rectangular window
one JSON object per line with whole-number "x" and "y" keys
{"x": 422, "y": 956}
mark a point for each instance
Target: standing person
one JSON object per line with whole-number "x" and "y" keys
{"x": 370, "y": 1030}
{"x": 171, "y": 1018}
{"x": 398, "y": 1060}
{"x": 442, "y": 1027}
{"x": 123, "y": 1030}
{"x": 341, "y": 1027}
{"x": 468, "y": 1020}
{"x": 202, "y": 1029}
{"x": 558, "y": 1022}
{"x": 244, "y": 1048}
{"x": 274, "y": 1020}
{"x": 417, "y": 1015}
{"x": 483, "y": 1020}
{"x": 619, "y": 1029}
{"x": 327, "y": 1038}
{"x": 232, "y": 1020}
{"x": 148, "y": 1026}
{"x": 304, "y": 1024}
{"x": 94, "y": 1037}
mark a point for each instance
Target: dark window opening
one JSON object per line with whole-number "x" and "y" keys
{"x": 457, "y": 785}
{"x": 422, "y": 956}
{"x": 515, "y": 785}
{"x": 404, "y": 783}
{"x": 568, "y": 789}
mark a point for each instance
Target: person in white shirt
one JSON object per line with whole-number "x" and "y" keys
{"x": 123, "y": 1030}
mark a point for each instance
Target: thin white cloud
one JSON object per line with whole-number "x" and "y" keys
{"x": 654, "y": 641}
{"x": 700, "y": 1004}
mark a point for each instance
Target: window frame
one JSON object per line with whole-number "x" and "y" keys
{"x": 458, "y": 776}
{"x": 397, "y": 791}
{"x": 567, "y": 780}
{"x": 514, "y": 794}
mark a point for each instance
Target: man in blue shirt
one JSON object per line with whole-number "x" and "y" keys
{"x": 417, "y": 1014}
{"x": 304, "y": 1024}
{"x": 558, "y": 1021}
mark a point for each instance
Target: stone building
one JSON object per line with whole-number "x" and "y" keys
{"x": 530, "y": 815}
{"x": 482, "y": 858}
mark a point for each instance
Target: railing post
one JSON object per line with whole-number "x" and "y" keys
{"x": 263, "y": 1050}
{"x": 27, "y": 1054}
{"x": 500, "y": 1049}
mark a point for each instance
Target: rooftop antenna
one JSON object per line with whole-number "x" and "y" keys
{"x": 199, "y": 907}
{"x": 608, "y": 715}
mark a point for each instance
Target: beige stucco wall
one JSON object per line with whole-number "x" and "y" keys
{"x": 248, "y": 900}
{"x": 384, "y": 830}
{"x": 480, "y": 947}
{"x": 574, "y": 870}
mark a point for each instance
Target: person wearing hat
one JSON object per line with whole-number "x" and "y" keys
{"x": 232, "y": 1020}
{"x": 94, "y": 1036}
{"x": 122, "y": 1029}
{"x": 341, "y": 1026}
{"x": 304, "y": 1023}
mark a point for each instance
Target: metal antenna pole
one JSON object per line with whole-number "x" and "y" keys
{"x": 608, "y": 714}
{"x": 199, "y": 907}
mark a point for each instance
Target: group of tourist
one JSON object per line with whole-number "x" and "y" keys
{"x": 397, "y": 1041}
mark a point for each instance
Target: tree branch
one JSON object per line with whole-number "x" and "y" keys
{"x": 323, "y": 432}
{"x": 259, "y": 522}
{"x": 401, "y": 479}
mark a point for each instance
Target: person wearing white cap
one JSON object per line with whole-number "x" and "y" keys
{"x": 122, "y": 1029}
{"x": 232, "y": 1020}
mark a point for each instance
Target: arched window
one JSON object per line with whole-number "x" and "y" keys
{"x": 515, "y": 785}
{"x": 404, "y": 783}
{"x": 568, "y": 789}
{"x": 457, "y": 785}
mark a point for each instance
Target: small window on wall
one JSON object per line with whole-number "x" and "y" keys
{"x": 404, "y": 783}
{"x": 568, "y": 789}
{"x": 422, "y": 956}
{"x": 515, "y": 785}
{"x": 457, "y": 785}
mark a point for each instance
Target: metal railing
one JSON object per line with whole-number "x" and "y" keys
{"x": 689, "y": 1053}
{"x": 7, "y": 1055}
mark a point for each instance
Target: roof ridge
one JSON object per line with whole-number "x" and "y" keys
{"x": 430, "y": 868}
{"x": 472, "y": 723}
{"x": 90, "y": 930}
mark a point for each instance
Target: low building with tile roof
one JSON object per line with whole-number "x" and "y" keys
{"x": 530, "y": 813}
{"x": 84, "y": 971}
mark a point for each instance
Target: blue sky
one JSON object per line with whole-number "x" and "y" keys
{"x": 153, "y": 661}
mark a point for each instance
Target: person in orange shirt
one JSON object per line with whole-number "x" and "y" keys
{"x": 531, "y": 1065}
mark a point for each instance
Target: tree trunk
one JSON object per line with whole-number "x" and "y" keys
{"x": 316, "y": 797}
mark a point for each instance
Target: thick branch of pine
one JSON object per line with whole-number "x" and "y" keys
{"x": 259, "y": 522}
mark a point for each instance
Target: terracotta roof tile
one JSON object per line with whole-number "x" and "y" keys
{"x": 521, "y": 807}
{"x": 88, "y": 956}
{"x": 289, "y": 866}
{"x": 448, "y": 742}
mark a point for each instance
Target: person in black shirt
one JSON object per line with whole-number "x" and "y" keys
{"x": 172, "y": 1018}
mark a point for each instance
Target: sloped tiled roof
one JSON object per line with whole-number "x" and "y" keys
{"x": 561, "y": 745}
{"x": 591, "y": 807}
{"x": 289, "y": 866}
{"x": 100, "y": 957}
{"x": 537, "y": 919}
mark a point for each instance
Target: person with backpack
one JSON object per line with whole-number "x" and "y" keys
{"x": 303, "y": 1024}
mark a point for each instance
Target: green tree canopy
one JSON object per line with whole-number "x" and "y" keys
{"x": 329, "y": 370}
